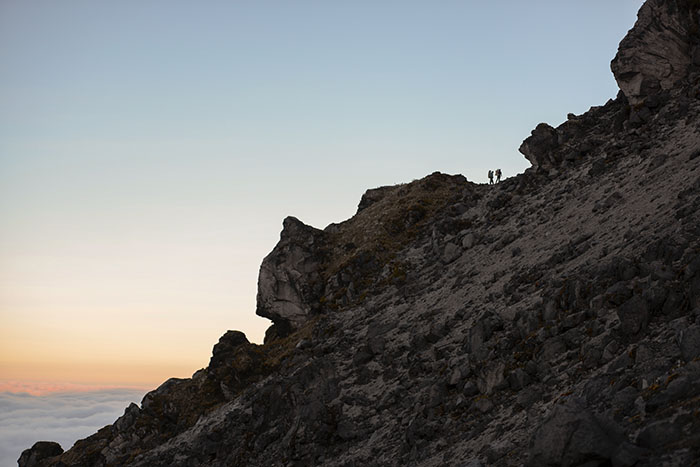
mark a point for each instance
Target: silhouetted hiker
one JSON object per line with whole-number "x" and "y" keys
{"x": 498, "y": 175}
{"x": 490, "y": 177}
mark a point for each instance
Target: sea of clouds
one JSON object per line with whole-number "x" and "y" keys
{"x": 64, "y": 417}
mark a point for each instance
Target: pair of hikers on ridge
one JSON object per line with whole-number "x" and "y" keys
{"x": 498, "y": 176}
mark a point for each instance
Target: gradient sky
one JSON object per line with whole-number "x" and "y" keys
{"x": 149, "y": 150}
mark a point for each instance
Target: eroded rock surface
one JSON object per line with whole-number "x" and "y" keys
{"x": 290, "y": 283}
{"x": 657, "y": 63}
{"x": 659, "y": 50}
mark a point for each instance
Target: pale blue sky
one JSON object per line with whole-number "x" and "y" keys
{"x": 149, "y": 150}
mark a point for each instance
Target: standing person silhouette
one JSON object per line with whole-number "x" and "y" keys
{"x": 498, "y": 175}
{"x": 490, "y": 177}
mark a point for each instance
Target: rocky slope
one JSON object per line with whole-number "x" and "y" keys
{"x": 552, "y": 319}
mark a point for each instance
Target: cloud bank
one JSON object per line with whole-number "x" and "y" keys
{"x": 64, "y": 417}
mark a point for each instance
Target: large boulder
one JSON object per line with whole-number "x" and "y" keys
{"x": 658, "y": 50}
{"x": 539, "y": 147}
{"x": 290, "y": 283}
{"x": 572, "y": 435}
{"x": 226, "y": 347}
{"x": 41, "y": 450}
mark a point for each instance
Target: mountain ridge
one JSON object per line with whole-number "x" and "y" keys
{"x": 550, "y": 319}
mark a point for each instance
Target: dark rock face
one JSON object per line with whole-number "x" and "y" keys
{"x": 552, "y": 319}
{"x": 572, "y": 435}
{"x": 690, "y": 343}
{"x": 41, "y": 450}
{"x": 227, "y": 345}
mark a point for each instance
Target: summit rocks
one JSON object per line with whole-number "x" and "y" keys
{"x": 551, "y": 319}
{"x": 661, "y": 49}
{"x": 657, "y": 63}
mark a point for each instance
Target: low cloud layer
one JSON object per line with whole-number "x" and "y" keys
{"x": 63, "y": 417}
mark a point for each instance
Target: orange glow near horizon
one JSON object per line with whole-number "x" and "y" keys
{"x": 123, "y": 307}
{"x": 107, "y": 349}
{"x": 119, "y": 330}
{"x": 94, "y": 371}
{"x": 38, "y": 388}
{"x": 91, "y": 373}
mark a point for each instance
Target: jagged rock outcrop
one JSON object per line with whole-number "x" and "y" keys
{"x": 290, "y": 282}
{"x": 657, "y": 63}
{"x": 312, "y": 271}
{"x": 41, "y": 450}
{"x": 658, "y": 52}
{"x": 226, "y": 348}
{"x": 551, "y": 319}
{"x": 583, "y": 137}
{"x": 539, "y": 147}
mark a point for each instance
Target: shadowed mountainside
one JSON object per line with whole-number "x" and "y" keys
{"x": 551, "y": 319}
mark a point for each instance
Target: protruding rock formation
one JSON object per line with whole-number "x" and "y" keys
{"x": 226, "y": 347}
{"x": 290, "y": 284}
{"x": 539, "y": 147}
{"x": 658, "y": 52}
{"x": 551, "y": 150}
{"x": 657, "y": 62}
